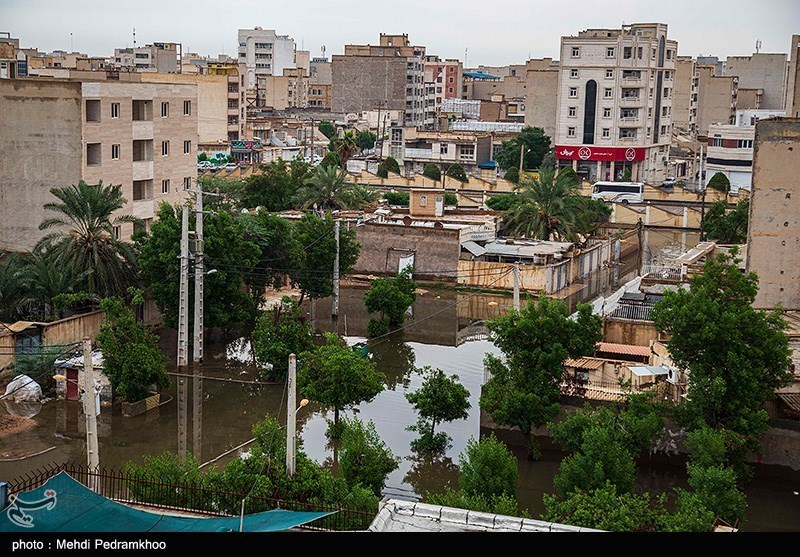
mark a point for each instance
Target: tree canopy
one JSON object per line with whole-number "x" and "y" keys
{"x": 275, "y": 189}
{"x": 532, "y": 138}
{"x": 441, "y": 398}
{"x": 720, "y": 182}
{"x": 365, "y": 139}
{"x": 391, "y": 296}
{"x": 281, "y": 331}
{"x": 432, "y": 171}
{"x": 327, "y": 128}
{"x": 456, "y": 171}
{"x": 727, "y": 226}
{"x": 365, "y": 459}
{"x": 327, "y": 189}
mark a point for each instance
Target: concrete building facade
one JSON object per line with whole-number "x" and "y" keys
{"x": 156, "y": 57}
{"x": 263, "y": 52}
{"x": 442, "y": 81}
{"x": 414, "y": 148}
{"x": 793, "y": 79}
{"x": 235, "y": 100}
{"x": 684, "y": 101}
{"x": 541, "y": 95}
{"x": 389, "y": 76}
{"x": 615, "y": 97}
{"x": 773, "y": 237}
{"x": 140, "y": 135}
{"x": 716, "y": 98}
{"x": 761, "y": 71}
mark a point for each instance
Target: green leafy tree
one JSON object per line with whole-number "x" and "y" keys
{"x": 392, "y": 165}
{"x": 365, "y": 139}
{"x": 432, "y": 171}
{"x": 440, "y": 399}
{"x": 534, "y": 140}
{"x": 502, "y": 504}
{"x": 604, "y": 508}
{"x": 450, "y": 198}
{"x": 44, "y": 281}
{"x": 345, "y": 147}
{"x": 327, "y": 128}
{"x": 524, "y": 390}
{"x": 281, "y": 331}
{"x": 84, "y": 243}
{"x": 365, "y": 459}
{"x": 626, "y": 176}
{"x": 334, "y": 375}
{"x": 383, "y": 171}
{"x": 727, "y": 226}
{"x": 273, "y": 236}
{"x": 735, "y": 356}
{"x": 202, "y": 156}
{"x": 314, "y": 251}
{"x": 275, "y": 188}
{"x": 327, "y": 189}
{"x": 378, "y": 328}
{"x": 503, "y": 201}
{"x": 721, "y": 183}
{"x": 400, "y": 198}
{"x": 488, "y": 468}
{"x": 456, "y": 171}
{"x": 132, "y": 359}
{"x": 602, "y": 458}
{"x": 392, "y": 296}
{"x": 512, "y": 175}
{"x": 552, "y": 208}
{"x": 226, "y": 304}
{"x": 330, "y": 159}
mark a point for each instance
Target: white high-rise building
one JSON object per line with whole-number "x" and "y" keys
{"x": 615, "y": 91}
{"x": 264, "y": 53}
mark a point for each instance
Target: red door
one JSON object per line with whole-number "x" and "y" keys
{"x": 72, "y": 384}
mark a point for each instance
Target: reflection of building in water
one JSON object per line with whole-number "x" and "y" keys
{"x": 70, "y": 421}
{"x": 183, "y": 411}
{"x": 197, "y": 414}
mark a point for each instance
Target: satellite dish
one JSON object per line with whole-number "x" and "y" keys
{"x": 351, "y": 117}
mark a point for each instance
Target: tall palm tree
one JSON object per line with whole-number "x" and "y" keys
{"x": 85, "y": 244}
{"x": 548, "y": 207}
{"x": 327, "y": 189}
{"x": 12, "y": 286}
{"x": 44, "y": 280}
{"x": 345, "y": 147}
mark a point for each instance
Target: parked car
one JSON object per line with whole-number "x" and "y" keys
{"x": 669, "y": 183}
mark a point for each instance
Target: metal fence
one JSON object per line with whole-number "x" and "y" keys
{"x": 191, "y": 496}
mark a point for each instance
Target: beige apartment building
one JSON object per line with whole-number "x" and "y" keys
{"x": 773, "y": 238}
{"x": 793, "y": 79}
{"x": 684, "y": 101}
{"x": 140, "y": 135}
{"x": 236, "y": 103}
{"x": 541, "y": 95}
{"x": 716, "y": 98}
{"x": 764, "y": 74}
{"x": 414, "y": 148}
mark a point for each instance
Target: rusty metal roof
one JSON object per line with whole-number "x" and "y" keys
{"x": 584, "y": 363}
{"x": 792, "y": 400}
{"x": 627, "y": 349}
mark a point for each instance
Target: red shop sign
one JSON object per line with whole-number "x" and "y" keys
{"x": 586, "y": 153}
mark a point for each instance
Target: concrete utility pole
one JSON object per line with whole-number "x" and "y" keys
{"x": 197, "y": 353}
{"x": 89, "y": 407}
{"x": 291, "y": 420}
{"x": 516, "y": 286}
{"x": 335, "y": 306}
{"x": 183, "y": 300}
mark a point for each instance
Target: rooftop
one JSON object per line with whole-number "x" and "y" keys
{"x": 526, "y": 248}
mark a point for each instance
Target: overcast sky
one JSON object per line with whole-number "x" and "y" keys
{"x": 495, "y": 32}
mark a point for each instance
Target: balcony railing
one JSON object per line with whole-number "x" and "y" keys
{"x": 412, "y": 153}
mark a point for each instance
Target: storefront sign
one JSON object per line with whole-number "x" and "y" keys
{"x": 586, "y": 153}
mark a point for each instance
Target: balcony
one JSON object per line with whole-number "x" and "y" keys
{"x": 142, "y": 129}
{"x": 142, "y": 170}
{"x": 632, "y": 81}
{"x": 631, "y": 101}
{"x": 628, "y": 140}
{"x": 412, "y": 153}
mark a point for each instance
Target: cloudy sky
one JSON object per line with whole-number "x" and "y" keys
{"x": 495, "y": 32}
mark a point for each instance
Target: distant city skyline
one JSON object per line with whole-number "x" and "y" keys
{"x": 497, "y": 33}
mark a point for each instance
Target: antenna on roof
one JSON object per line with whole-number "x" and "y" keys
{"x": 134, "y": 37}
{"x": 758, "y": 45}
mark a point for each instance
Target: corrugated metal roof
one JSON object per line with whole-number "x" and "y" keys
{"x": 526, "y": 249}
{"x": 473, "y": 248}
{"x": 792, "y": 400}
{"x": 584, "y": 363}
{"x": 627, "y": 349}
{"x": 639, "y": 371}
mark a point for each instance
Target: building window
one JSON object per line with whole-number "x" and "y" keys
{"x": 669, "y": 54}
{"x": 187, "y": 108}
{"x": 115, "y": 152}
{"x": 571, "y": 131}
{"x": 165, "y": 110}
{"x": 653, "y": 54}
{"x": 663, "y": 130}
{"x": 667, "y": 74}
{"x": 606, "y": 112}
{"x": 639, "y": 52}
{"x": 423, "y": 200}
{"x": 651, "y": 93}
{"x": 187, "y": 183}
{"x": 609, "y": 52}
{"x": 665, "y": 111}
{"x": 627, "y": 52}
{"x": 142, "y": 190}
{"x": 666, "y": 92}
{"x": 164, "y": 186}
{"x": 164, "y": 148}
{"x": 627, "y": 133}
{"x": 716, "y": 142}
{"x": 606, "y": 132}
{"x": 467, "y": 152}
{"x": 576, "y": 51}
{"x": 449, "y": 89}
{"x": 93, "y": 111}
{"x": 573, "y": 92}
{"x": 745, "y": 144}
{"x": 187, "y": 147}
{"x": 573, "y": 72}
{"x": 609, "y": 74}
{"x": 115, "y": 110}
{"x": 607, "y": 93}
{"x": 443, "y": 148}
{"x": 573, "y": 111}
{"x": 94, "y": 155}
{"x": 116, "y": 232}
{"x": 650, "y": 112}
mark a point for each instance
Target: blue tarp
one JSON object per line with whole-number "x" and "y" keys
{"x": 63, "y": 504}
{"x": 480, "y": 75}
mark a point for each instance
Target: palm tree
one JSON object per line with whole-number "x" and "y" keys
{"x": 12, "y": 286}
{"x": 345, "y": 147}
{"x": 44, "y": 280}
{"x": 327, "y": 189}
{"x": 86, "y": 245}
{"x": 548, "y": 208}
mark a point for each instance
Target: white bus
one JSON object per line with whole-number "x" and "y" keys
{"x": 620, "y": 192}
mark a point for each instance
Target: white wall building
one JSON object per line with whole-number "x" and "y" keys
{"x": 264, "y": 53}
{"x": 730, "y": 147}
{"x": 615, "y": 90}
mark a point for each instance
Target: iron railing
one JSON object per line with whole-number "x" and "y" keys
{"x": 191, "y": 496}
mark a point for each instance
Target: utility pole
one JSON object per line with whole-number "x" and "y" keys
{"x": 90, "y": 409}
{"x": 183, "y": 300}
{"x": 335, "y": 306}
{"x": 197, "y": 353}
{"x": 521, "y": 158}
{"x": 291, "y": 423}
{"x": 516, "y": 286}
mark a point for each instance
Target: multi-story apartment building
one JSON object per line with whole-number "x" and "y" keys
{"x": 762, "y": 73}
{"x": 156, "y": 57}
{"x": 541, "y": 94}
{"x": 9, "y": 60}
{"x": 793, "y": 79}
{"x": 730, "y": 147}
{"x": 263, "y": 53}
{"x": 615, "y": 102}
{"x": 442, "y": 81}
{"x": 389, "y": 76}
{"x": 773, "y": 236}
{"x": 57, "y": 132}
{"x": 235, "y": 101}
{"x": 414, "y": 148}
{"x": 716, "y": 98}
{"x": 684, "y": 101}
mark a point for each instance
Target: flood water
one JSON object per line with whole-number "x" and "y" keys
{"x": 212, "y": 415}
